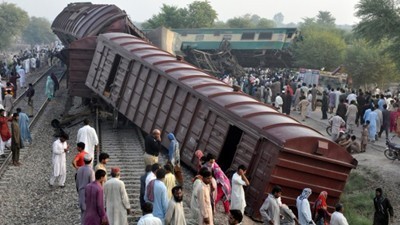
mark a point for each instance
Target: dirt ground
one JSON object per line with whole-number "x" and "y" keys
{"x": 373, "y": 163}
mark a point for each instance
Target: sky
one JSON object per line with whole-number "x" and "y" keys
{"x": 139, "y": 11}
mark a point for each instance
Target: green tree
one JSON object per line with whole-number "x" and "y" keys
{"x": 325, "y": 18}
{"x": 319, "y": 48}
{"x": 265, "y": 23}
{"x": 380, "y": 22}
{"x": 169, "y": 17}
{"x": 278, "y": 19}
{"x": 368, "y": 64}
{"x": 200, "y": 15}
{"x": 38, "y": 31}
{"x": 13, "y": 21}
{"x": 240, "y": 22}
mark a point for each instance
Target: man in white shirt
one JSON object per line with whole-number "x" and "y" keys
{"x": 88, "y": 135}
{"x": 148, "y": 218}
{"x": 60, "y": 147}
{"x": 337, "y": 217}
{"x": 239, "y": 180}
{"x": 270, "y": 211}
{"x": 303, "y": 208}
{"x": 278, "y": 102}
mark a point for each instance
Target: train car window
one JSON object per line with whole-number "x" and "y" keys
{"x": 113, "y": 72}
{"x": 248, "y": 36}
{"x": 227, "y": 37}
{"x": 199, "y": 37}
{"x": 289, "y": 35}
{"x": 265, "y": 36}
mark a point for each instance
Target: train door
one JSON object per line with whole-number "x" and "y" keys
{"x": 215, "y": 134}
{"x": 195, "y": 132}
{"x": 259, "y": 173}
{"x": 229, "y": 148}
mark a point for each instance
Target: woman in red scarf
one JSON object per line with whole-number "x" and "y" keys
{"x": 320, "y": 210}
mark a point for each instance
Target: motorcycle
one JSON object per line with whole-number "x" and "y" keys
{"x": 392, "y": 150}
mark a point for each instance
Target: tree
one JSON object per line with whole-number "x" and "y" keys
{"x": 250, "y": 21}
{"x": 325, "y": 18}
{"x": 240, "y": 22}
{"x": 265, "y": 23}
{"x": 38, "y": 31}
{"x": 369, "y": 64}
{"x": 13, "y": 21}
{"x": 278, "y": 19}
{"x": 319, "y": 48}
{"x": 170, "y": 17}
{"x": 380, "y": 22}
{"x": 200, "y": 15}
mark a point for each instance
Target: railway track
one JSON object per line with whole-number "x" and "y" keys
{"x": 125, "y": 146}
{"x": 40, "y": 103}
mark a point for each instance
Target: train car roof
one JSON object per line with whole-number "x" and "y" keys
{"x": 237, "y": 106}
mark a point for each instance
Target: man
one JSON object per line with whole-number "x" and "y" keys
{"x": 8, "y": 102}
{"x": 23, "y": 123}
{"x": 22, "y": 77}
{"x": 169, "y": 180}
{"x": 270, "y": 208}
{"x": 88, "y": 135}
{"x": 383, "y": 209}
{"x": 239, "y": 180}
{"x": 95, "y": 213}
{"x": 385, "y": 122}
{"x": 175, "y": 214}
{"x": 103, "y": 160}
{"x": 84, "y": 176}
{"x": 278, "y": 102}
{"x": 151, "y": 176}
{"x": 336, "y": 122}
{"x": 324, "y": 105}
{"x": 351, "y": 97}
{"x": 314, "y": 92}
{"x": 342, "y": 109}
{"x": 204, "y": 199}
{"x": 337, "y": 218}
{"x": 29, "y": 94}
{"x": 143, "y": 186}
{"x": 60, "y": 147}
{"x": 4, "y": 133}
{"x": 235, "y": 217}
{"x": 157, "y": 194}
{"x": 148, "y": 218}
{"x": 15, "y": 140}
{"x": 152, "y": 147}
{"x": 79, "y": 158}
{"x": 351, "y": 115}
{"x": 303, "y": 208}
{"x": 116, "y": 198}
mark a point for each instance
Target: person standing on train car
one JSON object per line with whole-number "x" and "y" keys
{"x": 223, "y": 183}
{"x": 239, "y": 180}
{"x": 269, "y": 210}
{"x": 88, "y": 135}
{"x": 303, "y": 208}
{"x": 152, "y": 147}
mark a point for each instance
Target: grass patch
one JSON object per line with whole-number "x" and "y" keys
{"x": 357, "y": 198}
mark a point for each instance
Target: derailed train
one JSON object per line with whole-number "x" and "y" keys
{"x": 154, "y": 90}
{"x": 151, "y": 88}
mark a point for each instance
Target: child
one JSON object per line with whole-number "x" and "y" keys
{"x": 364, "y": 136}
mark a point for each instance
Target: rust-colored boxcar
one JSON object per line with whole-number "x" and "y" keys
{"x": 154, "y": 90}
{"x": 77, "y": 26}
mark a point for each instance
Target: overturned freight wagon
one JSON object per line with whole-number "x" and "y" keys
{"x": 154, "y": 90}
{"x": 78, "y": 26}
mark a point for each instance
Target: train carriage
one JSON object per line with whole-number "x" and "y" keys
{"x": 77, "y": 26}
{"x": 154, "y": 90}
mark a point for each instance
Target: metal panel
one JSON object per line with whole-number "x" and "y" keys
{"x": 245, "y": 150}
{"x": 217, "y": 137}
